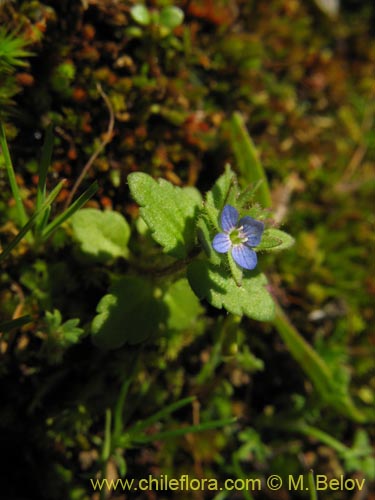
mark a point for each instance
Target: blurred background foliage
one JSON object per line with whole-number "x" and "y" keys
{"x": 173, "y": 73}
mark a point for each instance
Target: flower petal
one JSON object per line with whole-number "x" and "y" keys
{"x": 221, "y": 243}
{"x": 229, "y": 218}
{"x": 244, "y": 256}
{"x": 252, "y": 229}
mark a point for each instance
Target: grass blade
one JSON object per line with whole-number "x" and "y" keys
{"x": 161, "y": 414}
{"x": 12, "y": 178}
{"x": 316, "y": 368}
{"x": 31, "y": 221}
{"x": 215, "y": 424}
{"x": 118, "y": 413}
{"x": 60, "y": 219}
{"x": 313, "y": 494}
{"x": 248, "y": 162}
{"x": 45, "y": 162}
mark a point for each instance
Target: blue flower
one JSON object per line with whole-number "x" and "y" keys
{"x": 239, "y": 237}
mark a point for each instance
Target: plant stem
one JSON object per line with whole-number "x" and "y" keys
{"x": 323, "y": 437}
{"x": 313, "y": 495}
{"x": 119, "y": 409}
{"x": 107, "y": 139}
{"x": 106, "y": 451}
{"x": 173, "y": 268}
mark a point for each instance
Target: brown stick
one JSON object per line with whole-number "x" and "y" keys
{"x": 107, "y": 139}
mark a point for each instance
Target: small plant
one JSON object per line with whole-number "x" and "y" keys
{"x": 172, "y": 326}
{"x": 155, "y": 29}
{"x": 38, "y": 228}
{"x": 164, "y": 20}
{"x": 59, "y": 335}
{"x": 210, "y": 252}
{"x": 12, "y": 56}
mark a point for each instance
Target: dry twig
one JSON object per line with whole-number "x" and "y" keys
{"x": 107, "y": 139}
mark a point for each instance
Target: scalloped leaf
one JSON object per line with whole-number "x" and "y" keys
{"x": 275, "y": 240}
{"x": 130, "y": 313}
{"x": 216, "y": 285}
{"x": 169, "y": 211}
{"x": 183, "y": 305}
{"x": 102, "y": 235}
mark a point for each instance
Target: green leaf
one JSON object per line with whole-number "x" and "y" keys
{"x": 235, "y": 270}
{"x": 74, "y": 207}
{"x": 274, "y": 240}
{"x": 182, "y": 431}
{"x": 64, "y": 333}
{"x": 16, "y": 192}
{"x": 26, "y": 228}
{"x": 183, "y": 305}
{"x": 60, "y": 336}
{"x": 102, "y": 235}
{"x": 130, "y": 313}
{"x": 169, "y": 211}
{"x": 194, "y": 195}
{"x": 140, "y": 14}
{"x": 320, "y": 373}
{"x": 360, "y": 457}
{"x": 12, "y": 49}
{"x": 250, "y": 168}
{"x": 171, "y": 17}
{"x": 204, "y": 229}
{"x": 45, "y": 162}
{"x": 216, "y": 285}
{"x": 222, "y": 193}
{"x": 161, "y": 414}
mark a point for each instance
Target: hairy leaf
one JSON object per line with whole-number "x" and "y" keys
{"x": 274, "y": 240}
{"x": 216, "y": 285}
{"x": 169, "y": 211}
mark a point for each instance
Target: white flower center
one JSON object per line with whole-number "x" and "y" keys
{"x": 237, "y": 236}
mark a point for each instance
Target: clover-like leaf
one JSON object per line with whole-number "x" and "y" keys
{"x": 171, "y": 16}
{"x": 274, "y": 240}
{"x": 101, "y": 235}
{"x": 169, "y": 211}
{"x": 140, "y": 14}
{"x": 130, "y": 313}
{"x": 216, "y": 285}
